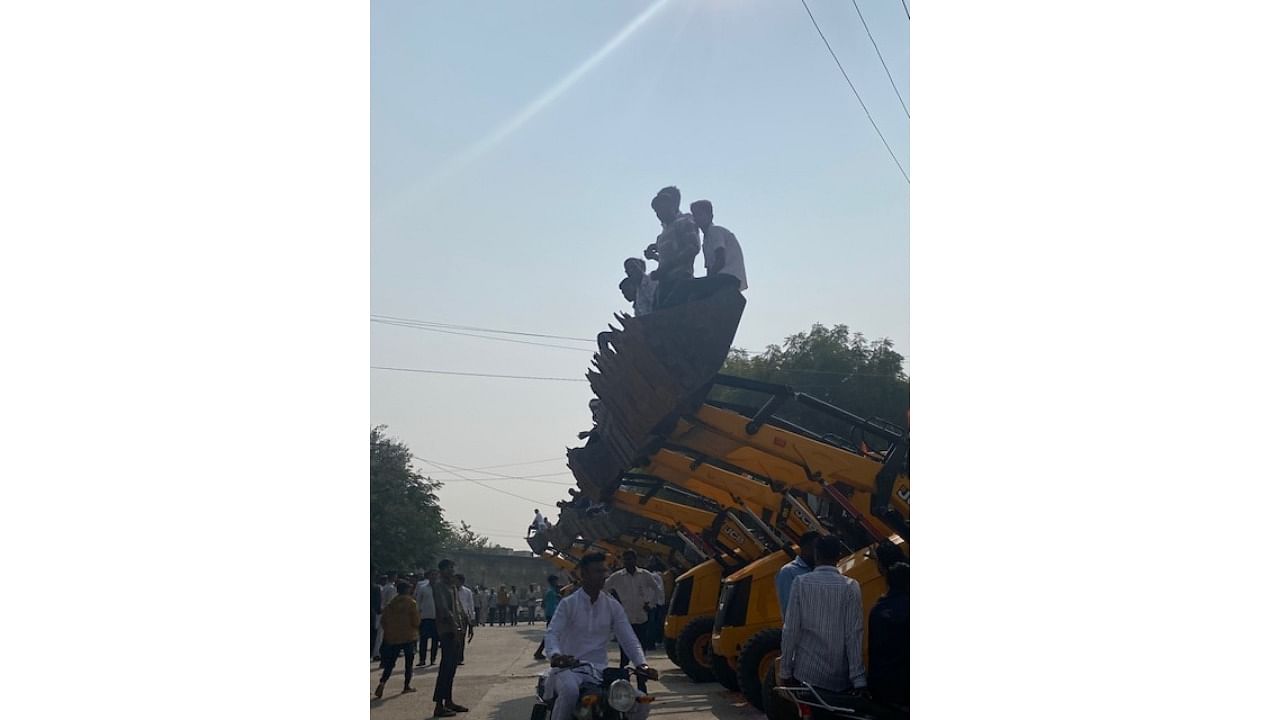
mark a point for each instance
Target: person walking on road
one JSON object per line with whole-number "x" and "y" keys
{"x": 801, "y": 565}
{"x": 375, "y": 624}
{"x": 483, "y": 602}
{"x": 504, "y": 601}
{"x": 636, "y": 589}
{"x": 822, "y": 630}
{"x": 521, "y": 599}
{"x": 550, "y": 599}
{"x": 532, "y": 602}
{"x": 400, "y": 633}
{"x": 427, "y": 609}
{"x": 450, "y": 626}
{"x": 387, "y": 590}
{"x": 467, "y": 599}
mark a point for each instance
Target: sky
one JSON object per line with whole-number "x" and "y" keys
{"x": 515, "y": 148}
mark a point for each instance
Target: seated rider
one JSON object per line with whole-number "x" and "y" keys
{"x": 577, "y": 640}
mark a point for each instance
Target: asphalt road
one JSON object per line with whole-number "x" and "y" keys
{"x": 498, "y": 678}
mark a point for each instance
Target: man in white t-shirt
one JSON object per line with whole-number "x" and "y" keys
{"x": 427, "y": 611}
{"x": 637, "y": 590}
{"x": 720, "y": 249}
{"x": 467, "y": 601}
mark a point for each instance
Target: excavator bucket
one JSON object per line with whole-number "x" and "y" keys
{"x": 649, "y": 371}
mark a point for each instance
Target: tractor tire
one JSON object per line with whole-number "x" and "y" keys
{"x": 755, "y": 661}
{"x": 724, "y": 672}
{"x": 775, "y": 708}
{"x": 693, "y": 650}
{"x": 669, "y": 645}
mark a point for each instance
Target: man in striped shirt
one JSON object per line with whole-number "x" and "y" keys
{"x": 822, "y": 630}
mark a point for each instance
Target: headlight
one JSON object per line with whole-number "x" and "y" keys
{"x": 622, "y": 697}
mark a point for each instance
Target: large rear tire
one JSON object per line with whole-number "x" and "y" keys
{"x": 724, "y": 672}
{"x": 755, "y": 661}
{"x": 669, "y": 645}
{"x": 693, "y": 649}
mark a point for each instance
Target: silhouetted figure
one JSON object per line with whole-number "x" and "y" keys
{"x": 721, "y": 253}
{"x": 638, "y": 287}
{"x": 675, "y": 248}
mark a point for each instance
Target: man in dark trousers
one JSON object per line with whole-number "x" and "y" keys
{"x": 889, "y": 640}
{"x": 375, "y": 609}
{"x": 451, "y": 623}
{"x": 400, "y": 633}
{"x": 427, "y": 608}
{"x": 822, "y": 629}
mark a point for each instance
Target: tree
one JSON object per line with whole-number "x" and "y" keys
{"x": 406, "y": 524}
{"x": 464, "y": 537}
{"x": 846, "y": 370}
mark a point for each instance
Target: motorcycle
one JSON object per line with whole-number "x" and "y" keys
{"x": 807, "y": 699}
{"x": 613, "y": 699}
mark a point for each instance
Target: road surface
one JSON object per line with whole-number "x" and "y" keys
{"x": 498, "y": 678}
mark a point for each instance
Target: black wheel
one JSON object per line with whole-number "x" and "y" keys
{"x": 724, "y": 672}
{"x": 693, "y": 649}
{"x": 670, "y": 646}
{"x": 755, "y": 661}
{"x": 539, "y": 712}
{"x": 775, "y": 708}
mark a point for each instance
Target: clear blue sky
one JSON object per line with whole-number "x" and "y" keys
{"x": 510, "y": 180}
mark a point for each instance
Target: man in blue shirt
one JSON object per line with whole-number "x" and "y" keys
{"x": 803, "y": 563}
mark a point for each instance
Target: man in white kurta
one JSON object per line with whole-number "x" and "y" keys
{"x": 580, "y": 632}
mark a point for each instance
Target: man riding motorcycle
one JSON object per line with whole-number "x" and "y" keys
{"x": 578, "y": 640}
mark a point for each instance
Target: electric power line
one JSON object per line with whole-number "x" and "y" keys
{"x": 906, "y": 9}
{"x": 395, "y": 323}
{"x": 527, "y": 462}
{"x": 499, "y": 475}
{"x": 472, "y": 374}
{"x": 855, "y": 91}
{"x": 479, "y": 329}
{"x": 886, "y": 67}
{"x": 498, "y": 490}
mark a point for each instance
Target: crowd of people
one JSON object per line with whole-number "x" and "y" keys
{"x": 683, "y": 236}
{"x": 433, "y": 614}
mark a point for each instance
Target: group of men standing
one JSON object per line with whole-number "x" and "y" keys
{"x": 675, "y": 250}
{"x": 502, "y": 606}
{"x": 822, "y": 623}
{"x": 438, "y": 610}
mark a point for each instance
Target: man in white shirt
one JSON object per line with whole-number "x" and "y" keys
{"x": 637, "y": 590}
{"x": 538, "y": 523}
{"x": 483, "y": 601}
{"x": 467, "y": 599}
{"x": 388, "y": 593}
{"x": 579, "y": 632}
{"x": 427, "y": 610}
{"x": 721, "y": 253}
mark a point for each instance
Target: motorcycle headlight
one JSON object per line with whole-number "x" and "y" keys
{"x": 622, "y": 697}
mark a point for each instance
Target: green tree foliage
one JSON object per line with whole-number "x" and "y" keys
{"x": 406, "y": 524}
{"x": 464, "y": 537}
{"x": 847, "y": 370}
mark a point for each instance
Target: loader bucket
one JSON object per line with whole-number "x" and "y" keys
{"x": 648, "y": 372}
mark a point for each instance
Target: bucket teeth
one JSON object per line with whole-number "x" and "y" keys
{"x": 648, "y": 371}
